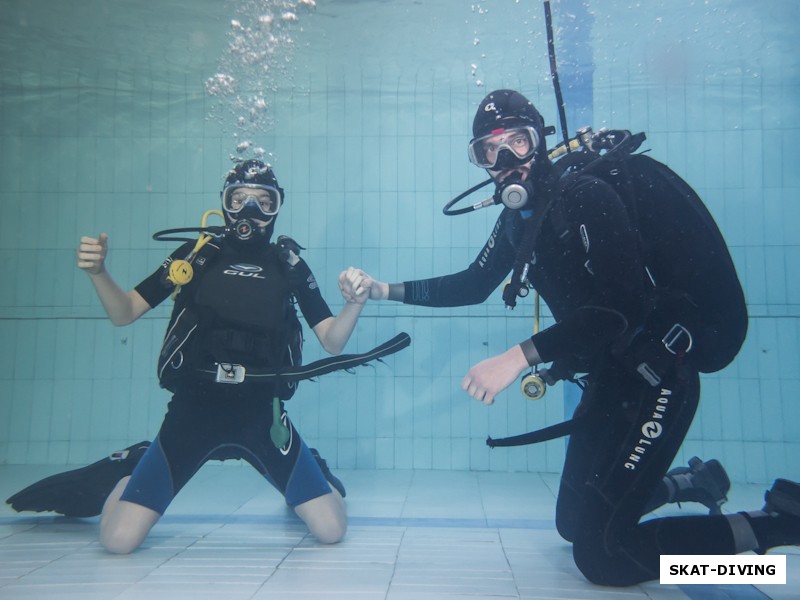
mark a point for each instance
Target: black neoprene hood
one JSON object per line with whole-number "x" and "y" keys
{"x": 252, "y": 171}
{"x": 505, "y": 109}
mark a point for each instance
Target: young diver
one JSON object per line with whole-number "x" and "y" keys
{"x": 240, "y": 309}
{"x": 594, "y": 284}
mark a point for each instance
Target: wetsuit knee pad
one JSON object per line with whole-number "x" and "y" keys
{"x": 150, "y": 484}
{"x": 565, "y": 525}
{"x": 306, "y": 481}
{"x": 605, "y": 556}
{"x": 599, "y": 559}
{"x": 567, "y": 514}
{"x": 597, "y": 547}
{"x": 592, "y": 562}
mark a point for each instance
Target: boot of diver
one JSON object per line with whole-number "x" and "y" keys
{"x": 778, "y": 523}
{"x": 703, "y": 482}
{"x": 80, "y": 492}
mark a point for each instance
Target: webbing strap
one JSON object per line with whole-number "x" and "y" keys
{"x": 320, "y": 367}
{"x": 534, "y": 437}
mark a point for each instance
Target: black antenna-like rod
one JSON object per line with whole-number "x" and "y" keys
{"x": 551, "y": 51}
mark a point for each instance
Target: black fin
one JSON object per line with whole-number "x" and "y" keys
{"x": 80, "y": 492}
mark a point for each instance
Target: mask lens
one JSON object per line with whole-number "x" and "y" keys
{"x": 520, "y": 142}
{"x": 266, "y": 199}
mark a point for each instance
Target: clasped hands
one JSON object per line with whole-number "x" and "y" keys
{"x": 484, "y": 380}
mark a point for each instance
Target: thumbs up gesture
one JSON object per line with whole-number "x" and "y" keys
{"x": 92, "y": 254}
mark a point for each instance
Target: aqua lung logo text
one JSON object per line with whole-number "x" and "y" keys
{"x": 244, "y": 270}
{"x": 651, "y": 430}
{"x": 489, "y": 245}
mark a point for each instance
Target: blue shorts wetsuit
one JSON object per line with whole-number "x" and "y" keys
{"x": 242, "y": 295}
{"x": 232, "y": 421}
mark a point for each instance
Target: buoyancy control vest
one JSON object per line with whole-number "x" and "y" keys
{"x": 239, "y": 309}
{"x": 696, "y": 306}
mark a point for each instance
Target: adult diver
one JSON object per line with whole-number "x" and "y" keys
{"x": 578, "y": 248}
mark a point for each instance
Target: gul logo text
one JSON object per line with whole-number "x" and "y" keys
{"x": 244, "y": 270}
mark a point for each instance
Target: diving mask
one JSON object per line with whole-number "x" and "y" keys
{"x": 504, "y": 148}
{"x": 265, "y": 198}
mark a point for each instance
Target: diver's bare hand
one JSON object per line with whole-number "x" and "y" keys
{"x": 91, "y": 254}
{"x": 491, "y": 376}
{"x": 355, "y": 285}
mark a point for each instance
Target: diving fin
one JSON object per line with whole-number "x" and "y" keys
{"x": 80, "y": 492}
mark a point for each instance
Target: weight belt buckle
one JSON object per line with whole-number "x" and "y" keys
{"x": 230, "y": 373}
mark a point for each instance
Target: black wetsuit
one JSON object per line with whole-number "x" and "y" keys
{"x": 243, "y": 294}
{"x": 593, "y": 281}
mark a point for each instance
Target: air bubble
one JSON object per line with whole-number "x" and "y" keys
{"x": 257, "y": 58}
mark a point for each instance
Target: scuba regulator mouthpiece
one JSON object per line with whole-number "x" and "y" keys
{"x": 243, "y": 229}
{"x": 513, "y": 192}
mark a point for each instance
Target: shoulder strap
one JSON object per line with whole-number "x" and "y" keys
{"x": 289, "y": 255}
{"x": 204, "y": 257}
{"x": 568, "y": 170}
{"x": 551, "y": 193}
{"x": 565, "y": 174}
{"x": 611, "y": 167}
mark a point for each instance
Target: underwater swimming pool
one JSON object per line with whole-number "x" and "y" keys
{"x": 116, "y": 117}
